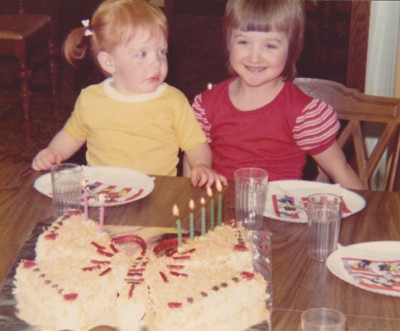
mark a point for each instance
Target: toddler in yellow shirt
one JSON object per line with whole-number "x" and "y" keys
{"x": 133, "y": 118}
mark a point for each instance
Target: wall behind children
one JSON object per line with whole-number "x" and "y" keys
{"x": 383, "y": 65}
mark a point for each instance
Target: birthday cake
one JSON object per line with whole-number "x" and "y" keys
{"x": 83, "y": 277}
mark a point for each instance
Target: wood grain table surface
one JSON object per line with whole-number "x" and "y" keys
{"x": 298, "y": 282}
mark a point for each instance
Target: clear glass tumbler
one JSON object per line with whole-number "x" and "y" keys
{"x": 66, "y": 182}
{"x": 251, "y": 185}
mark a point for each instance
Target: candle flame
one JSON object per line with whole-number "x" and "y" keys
{"x": 209, "y": 192}
{"x": 175, "y": 211}
{"x": 219, "y": 186}
{"x": 203, "y": 201}
{"x": 191, "y": 204}
{"x": 84, "y": 183}
{"x": 209, "y": 86}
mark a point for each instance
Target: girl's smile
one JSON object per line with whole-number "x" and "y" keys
{"x": 258, "y": 57}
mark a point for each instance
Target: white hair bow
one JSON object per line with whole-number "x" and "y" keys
{"x": 88, "y": 31}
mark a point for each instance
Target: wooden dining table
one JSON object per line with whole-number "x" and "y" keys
{"x": 298, "y": 282}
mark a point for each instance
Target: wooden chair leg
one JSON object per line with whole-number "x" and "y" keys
{"x": 24, "y": 75}
{"x": 54, "y": 77}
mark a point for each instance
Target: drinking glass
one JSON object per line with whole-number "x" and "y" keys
{"x": 323, "y": 319}
{"x": 251, "y": 186}
{"x": 66, "y": 182}
{"x": 324, "y": 215}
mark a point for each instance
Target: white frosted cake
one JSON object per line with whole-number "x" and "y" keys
{"x": 82, "y": 278}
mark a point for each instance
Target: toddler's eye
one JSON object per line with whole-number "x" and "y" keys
{"x": 141, "y": 54}
{"x": 163, "y": 52}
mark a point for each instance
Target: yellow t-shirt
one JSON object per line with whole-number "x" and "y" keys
{"x": 143, "y": 132}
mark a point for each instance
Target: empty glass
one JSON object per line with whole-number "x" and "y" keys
{"x": 251, "y": 186}
{"x": 323, "y": 319}
{"x": 66, "y": 182}
{"x": 324, "y": 217}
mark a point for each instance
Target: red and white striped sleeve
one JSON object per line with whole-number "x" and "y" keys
{"x": 200, "y": 113}
{"x": 316, "y": 127}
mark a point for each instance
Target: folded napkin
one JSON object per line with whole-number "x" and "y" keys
{"x": 289, "y": 202}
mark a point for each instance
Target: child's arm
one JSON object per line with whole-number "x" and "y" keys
{"x": 334, "y": 163}
{"x": 197, "y": 165}
{"x": 61, "y": 147}
{"x": 186, "y": 171}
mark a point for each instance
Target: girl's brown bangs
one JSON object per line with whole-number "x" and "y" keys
{"x": 259, "y": 23}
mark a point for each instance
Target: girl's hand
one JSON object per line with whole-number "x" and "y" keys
{"x": 203, "y": 175}
{"x": 45, "y": 159}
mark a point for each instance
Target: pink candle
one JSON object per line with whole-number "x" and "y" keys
{"x": 85, "y": 201}
{"x": 102, "y": 200}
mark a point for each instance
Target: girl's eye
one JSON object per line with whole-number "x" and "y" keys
{"x": 163, "y": 52}
{"x": 271, "y": 46}
{"x": 141, "y": 54}
{"x": 242, "y": 43}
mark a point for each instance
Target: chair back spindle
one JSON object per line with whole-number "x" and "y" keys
{"x": 355, "y": 111}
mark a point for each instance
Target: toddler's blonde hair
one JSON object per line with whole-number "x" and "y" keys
{"x": 113, "y": 23}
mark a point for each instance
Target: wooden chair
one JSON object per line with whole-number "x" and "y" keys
{"x": 355, "y": 110}
{"x": 20, "y": 34}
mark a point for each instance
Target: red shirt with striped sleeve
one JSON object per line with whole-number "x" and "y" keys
{"x": 276, "y": 137}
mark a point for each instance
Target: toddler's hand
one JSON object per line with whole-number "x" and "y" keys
{"x": 202, "y": 175}
{"x": 45, "y": 159}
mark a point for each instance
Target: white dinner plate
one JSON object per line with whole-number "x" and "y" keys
{"x": 286, "y": 199}
{"x": 119, "y": 185}
{"x": 373, "y": 266}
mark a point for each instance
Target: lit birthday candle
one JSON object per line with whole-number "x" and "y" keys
{"x": 219, "y": 189}
{"x": 191, "y": 219}
{"x": 212, "y": 215}
{"x": 203, "y": 216}
{"x": 175, "y": 212}
{"x": 85, "y": 201}
{"x": 102, "y": 200}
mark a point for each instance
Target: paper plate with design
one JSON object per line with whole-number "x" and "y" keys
{"x": 372, "y": 266}
{"x": 287, "y": 199}
{"x": 118, "y": 185}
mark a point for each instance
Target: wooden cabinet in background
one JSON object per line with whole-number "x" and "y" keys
{"x": 336, "y": 38}
{"x": 335, "y": 48}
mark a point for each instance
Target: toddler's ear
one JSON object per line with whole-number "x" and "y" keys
{"x": 106, "y": 62}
